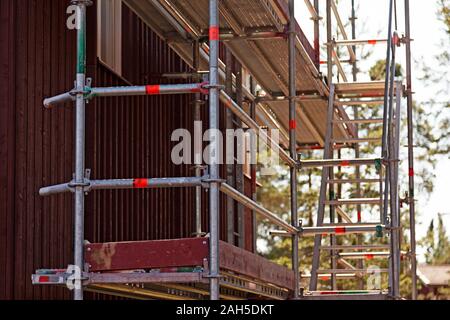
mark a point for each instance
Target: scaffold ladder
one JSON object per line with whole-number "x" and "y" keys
{"x": 344, "y": 220}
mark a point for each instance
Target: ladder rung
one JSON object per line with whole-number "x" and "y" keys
{"x": 356, "y": 201}
{"x": 349, "y": 225}
{"x": 364, "y": 255}
{"x": 357, "y": 247}
{"x": 343, "y": 181}
{"x": 359, "y": 121}
{"x": 341, "y": 229}
{"x": 344, "y": 271}
{"x": 356, "y": 140}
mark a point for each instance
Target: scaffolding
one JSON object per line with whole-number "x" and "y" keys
{"x": 209, "y": 261}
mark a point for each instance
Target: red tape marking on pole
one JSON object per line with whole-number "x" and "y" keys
{"x": 411, "y": 172}
{"x": 359, "y": 216}
{"x": 372, "y": 42}
{"x": 44, "y": 279}
{"x": 345, "y": 163}
{"x": 214, "y": 33}
{"x": 340, "y": 230}
{"x": 153, "y": 90}
{"x": 396, "y": 39}
{"x": 292, "y": 124}
{"x": 369, "y": 256}
{"x": 140, "y": 183}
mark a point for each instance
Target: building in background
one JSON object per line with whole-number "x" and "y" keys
{"x": 435, "y": 281}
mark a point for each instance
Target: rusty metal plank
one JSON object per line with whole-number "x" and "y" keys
{"x": 115, "y": 256}
{"x": 251, "y": 265}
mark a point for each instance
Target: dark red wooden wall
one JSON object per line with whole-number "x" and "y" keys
{"x": 126, "y": 138}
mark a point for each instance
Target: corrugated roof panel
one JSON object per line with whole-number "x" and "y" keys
{"x": 267, "y": 60}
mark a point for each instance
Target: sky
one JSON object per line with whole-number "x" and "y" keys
{"x": 427, "y": 32}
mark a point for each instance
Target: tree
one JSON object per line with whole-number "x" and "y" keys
{"x": 432, "y": 138}
{"x": 437, "y": 244}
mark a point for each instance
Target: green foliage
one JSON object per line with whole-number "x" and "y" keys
{"x": 432, "y": 137}
{"x": 437, "y": 244}
{"x": 444, "y": 13}
{"x": 378, "y": 71}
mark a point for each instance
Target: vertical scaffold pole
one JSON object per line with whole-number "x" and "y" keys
{"x": 229, "y": 126}
{"x": 329, "y": 47}
{"x": 317, "y": 34}
{"x": 253, "y": 157}
{"x": 197, "y": 145}
{"x": 293, "y": 142}
{"x": 360, "y": 237}
{"x": 387, "y": 91}
{"x": 80, "y": 143}
{"x": 239, "y": 168}
{"x": 214, "y": 150}
{"x": 412, "y": 218}
{"x": 386, "y": 83}
{"x": 393, "y": 139}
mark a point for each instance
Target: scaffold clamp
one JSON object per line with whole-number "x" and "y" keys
{"x": 85, "y": 2}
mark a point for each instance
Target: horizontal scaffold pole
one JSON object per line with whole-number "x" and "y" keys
{"x": 252, "y": 205}
{"x": 339, "y": 163}
{"x": 334, "y": 230}
{"x": 121, "y": 184}
{"x": 245, "y": 118}
{"x": 261, "y": 35}
{"x": 61, "y": 277}
{"x": 358, "y": 42}
{"x": 145, "y": 90}
{"x": 357, "y": 247}
{"x": 345, "y": 271}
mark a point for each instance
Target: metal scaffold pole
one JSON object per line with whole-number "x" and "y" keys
{"x": 387, "y": 98}
{"x": 80, "y": 137}
{"x": 409, "y": 93}
{"x": 395, "y": 204}
{"x": 229, "y": 126}
{"x": 357, "y": 147}
{"x": 326, "y": 153}
{"x": 316, "y": 19}
{"x": 214, "y": 151}
{"x": 198, "y": 103}
{"x": 293, "y": 143}
{"x": 386, "y": 84}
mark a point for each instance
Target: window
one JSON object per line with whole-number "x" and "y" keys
{"x": 109, "y": 33}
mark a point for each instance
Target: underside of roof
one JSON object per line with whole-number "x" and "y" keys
{"x": 434, "y": 275}
{"x": 265, "y": 59}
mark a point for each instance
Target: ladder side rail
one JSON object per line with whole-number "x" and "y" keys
{"x": 323, "y": 191}
{"x": 332, "y": 196}
{"x": 412, "y": 221}
{"x": 360, "y": 238}
{"x": 386, "y": 88}
{"x": 390, "y": 187}
{"x": 395, "y": 219}
{"x": 390, "y": 110}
